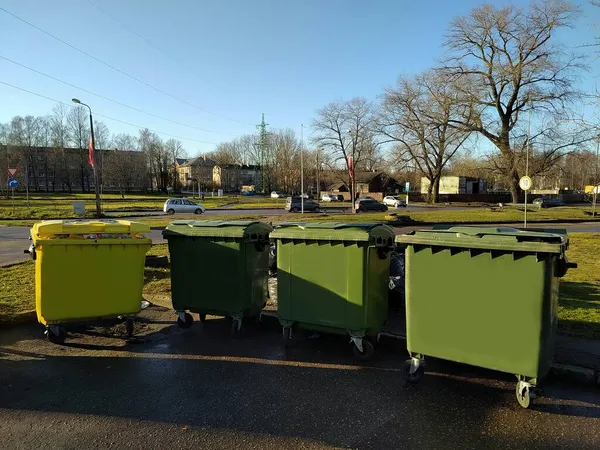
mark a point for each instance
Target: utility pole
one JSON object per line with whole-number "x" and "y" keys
{"x": 302, "y": 167}
{"x": 262, "y": 146}
{"x": 318, "y": 183}
{"x": 596, "y": 181}
{"x": 527, "y": 162}
{"x": 350, "y": 165}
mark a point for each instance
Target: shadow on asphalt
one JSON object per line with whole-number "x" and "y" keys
{"x": 202, "y": 377}
{"x": 344, "y": 407}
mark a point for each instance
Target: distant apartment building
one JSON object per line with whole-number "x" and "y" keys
{"x": 50, "y": 169}
{"x": 196, "y": 171}
{"x": 231, "y": 177}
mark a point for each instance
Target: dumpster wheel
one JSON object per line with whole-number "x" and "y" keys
{"x": 56, "y": 334}
{"x": 412, "y": 374}
{"x": 367, "y": 351}
{"x": 129, "y": 325}
{"x": 236, "y": 326}
{"x": 185, "y": 320}
{"x": 524, "y": 393}
{"x": 287, "y": 336}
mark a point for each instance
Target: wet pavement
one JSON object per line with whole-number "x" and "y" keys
{"x": 202, "y": 388}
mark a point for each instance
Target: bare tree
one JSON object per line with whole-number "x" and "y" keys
{"x": 123, "y": 169}
{"x": 59, "y": 158}
{"x": 224, "y": 153}
{"x": 283, "y": 171}
{"x": 417, "y": 115}
{"x": 79, "y": 136}
{"x": 174, "y": 150}
{"x": 345, "y": 132}
{"x": 125, "y": 141}
{"x": 506, "y": 63}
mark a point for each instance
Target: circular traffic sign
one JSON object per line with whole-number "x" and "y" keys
{"x": 13, "y": 183}
{"x": 525, "y": 183}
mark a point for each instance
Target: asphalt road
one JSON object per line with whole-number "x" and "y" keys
{"x": 200, "y": 388}
{"x": 13, "y": 240}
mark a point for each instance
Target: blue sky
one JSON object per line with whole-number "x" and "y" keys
{"x": 235, "y": 59}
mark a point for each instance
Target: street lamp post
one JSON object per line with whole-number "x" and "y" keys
{"x": 96, "y": 183}
{"x": 302, "y": 167}
{"x": 596, "y": 181}
{"x": 351, "y": 172}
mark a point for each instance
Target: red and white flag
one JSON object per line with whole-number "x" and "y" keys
{"x": 91, "y": 152}
{"x": 350, "y": 163}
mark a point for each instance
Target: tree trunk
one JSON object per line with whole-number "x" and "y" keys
{"x": 515, "y": 189}
{"x": 435, "y": 191}
{"x": 429, "y": 190}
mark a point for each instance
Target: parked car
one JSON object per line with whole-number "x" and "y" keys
{"x": 276, "y": 194}
{"x": 294, "y": 204}
{"x": 365, "y": 204}
{"x": 247, "y": 192}
{"x": 548, "y": 202}
{"x": 329, "y": 198}
{"x": 182, "y": 205}
{"x": 396, "y": 202}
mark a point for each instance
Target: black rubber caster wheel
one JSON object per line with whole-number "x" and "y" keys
{"x": 202, "y": 318}
{"x": 367, "y": 351}
{"x": 187, "y": 322}
{"x": 236, "y": 327}
{"x": 524, "y": 395}
{"x": 56, "y": 335}
{"x": 129, "y": 325}
{"x": 412, "y": 377}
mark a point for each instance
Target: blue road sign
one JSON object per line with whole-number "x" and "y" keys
{"x": 13, "y": 183}
{"x": 407, "y": 186}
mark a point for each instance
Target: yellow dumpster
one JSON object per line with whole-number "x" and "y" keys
{"x": 87, "y": 270}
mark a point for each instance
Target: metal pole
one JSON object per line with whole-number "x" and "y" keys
{"x": 318, "y": 184}
{"x": 351, "y": 173}
{"x": 527, "y": 163}
{"x": 27, "y": 180}
{"x": 596, "y": 181}
{"x": 302, "y": 166}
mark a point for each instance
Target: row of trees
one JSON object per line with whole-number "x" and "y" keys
{"x": 68, "y": 128}
{"x": 505, "y": 81}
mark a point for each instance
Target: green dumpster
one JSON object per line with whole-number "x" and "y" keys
{"x": 218, "y": 268}
{"x": 333, "y": 277}
{"x": 486, "y": 297}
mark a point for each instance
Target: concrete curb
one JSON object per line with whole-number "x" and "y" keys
{"x": 576, "y": 374}
{"x": 19, "y": 319}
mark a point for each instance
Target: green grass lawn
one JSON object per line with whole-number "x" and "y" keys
{"x": 44, "y": 207}
{"x": 579, "y": 310}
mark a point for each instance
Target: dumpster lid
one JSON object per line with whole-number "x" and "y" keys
{"x": 218, "y": 228}
{"x": 492, "y": 238}
{"x": 57, "y": 227}
{"x": 332, "y": 231}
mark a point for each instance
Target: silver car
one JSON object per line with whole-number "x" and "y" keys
{"x": 394, "y": 201}
{"x": 182, "y": 205}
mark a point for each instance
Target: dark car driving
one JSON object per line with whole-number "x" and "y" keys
{"x": 294, "y": 204}
{"x": 369, "y": 204}
{"x": 548, "y": 202}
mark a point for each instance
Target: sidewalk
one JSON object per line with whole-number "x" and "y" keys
{"x": 577, "y": 359}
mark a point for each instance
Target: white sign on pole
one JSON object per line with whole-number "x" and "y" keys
{"x": 525, "y": 183}
{"x": 12, "y": 171}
